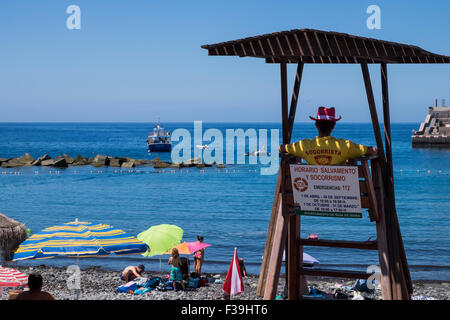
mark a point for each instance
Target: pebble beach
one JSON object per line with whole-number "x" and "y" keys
{"x": 100, "y": 284}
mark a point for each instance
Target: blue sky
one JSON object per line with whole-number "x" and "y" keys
{"x": 140, "y": 60}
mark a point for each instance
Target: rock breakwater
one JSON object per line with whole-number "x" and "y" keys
{"x": 64, "y": 161}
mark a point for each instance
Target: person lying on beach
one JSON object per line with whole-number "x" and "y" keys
{"x": 132, "y": 272}
{"x": 35, "y": 292}
{"x": 325, "y": 149}
{"x": 175, "y": 272}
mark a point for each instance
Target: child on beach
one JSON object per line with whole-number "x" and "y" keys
{"x": 175, "y": 272}
{"x": 199, "y": 257}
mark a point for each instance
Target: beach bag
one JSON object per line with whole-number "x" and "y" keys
{"x": 202, "y": 282}
{"x": 193, "y": 283}
{"x": 184, "y": 267}
{"x": 165, "y": 286}
{"x": 153, "y": 283}
{"x": 129, "y": 287}
{"x": 168, "y": 286}
{"x": 161, "y": 286}
{"x": 339, "y": 294}
{"x": 361, "y": 286}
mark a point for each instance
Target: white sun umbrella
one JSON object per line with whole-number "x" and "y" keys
{"x": 308, "y": 259}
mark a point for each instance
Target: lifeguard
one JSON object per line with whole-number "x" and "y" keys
{"x": 325, "y": 149}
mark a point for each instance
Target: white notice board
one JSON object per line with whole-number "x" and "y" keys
{"x": 328, "y": 191}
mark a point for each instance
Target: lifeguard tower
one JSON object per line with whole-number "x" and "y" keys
{"x": 307, "y": 46}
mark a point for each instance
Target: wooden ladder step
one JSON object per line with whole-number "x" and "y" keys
{"x": 334, "y": 273}
{"x": 365, "y": 245}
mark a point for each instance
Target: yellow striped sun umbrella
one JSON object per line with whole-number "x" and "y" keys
{"x": 79, "y": 239}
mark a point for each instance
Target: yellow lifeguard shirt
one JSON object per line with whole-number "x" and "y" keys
{"x": 326, "y": 150}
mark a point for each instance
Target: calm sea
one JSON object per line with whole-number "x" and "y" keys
{"x": 230, "y": 207}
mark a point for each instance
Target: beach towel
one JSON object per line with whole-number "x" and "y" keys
{"x": 128, "y": 287}
{"x": 141, "y": 281}
{"x": 142, "y": 291}
{"x": 316, "y": 293}
{"x": 422, "y": 298}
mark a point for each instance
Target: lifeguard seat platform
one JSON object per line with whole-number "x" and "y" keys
{"x": 308, "y": 46}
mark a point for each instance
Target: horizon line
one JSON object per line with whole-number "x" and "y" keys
{"x": 151, "y": 122}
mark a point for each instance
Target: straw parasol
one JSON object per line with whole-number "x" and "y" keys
{"x": 12, "y": 233}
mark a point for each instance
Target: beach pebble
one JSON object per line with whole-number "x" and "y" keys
{"x": 99, "y": 284}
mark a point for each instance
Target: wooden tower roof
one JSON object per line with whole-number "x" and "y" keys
{"x": 316, "y": 46}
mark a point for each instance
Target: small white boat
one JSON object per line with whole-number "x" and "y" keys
{"x": 261, "y": 152}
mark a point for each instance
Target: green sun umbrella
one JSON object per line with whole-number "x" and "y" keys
{"x": 160, "y": 238}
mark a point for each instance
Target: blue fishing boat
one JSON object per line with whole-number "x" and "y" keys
{"x": 159, "y": 139}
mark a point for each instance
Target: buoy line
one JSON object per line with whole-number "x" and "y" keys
{"x": 181, "y": 171}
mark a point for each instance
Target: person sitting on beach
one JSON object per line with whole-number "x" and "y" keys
{"x": 132, "y": 272}
{"x": 35, "y": 292}
{"x": 199, "y": 257}
{"x": 242, "y": 267}
{"x": 325, "y": 149}
{"x": 175, "y": 272}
